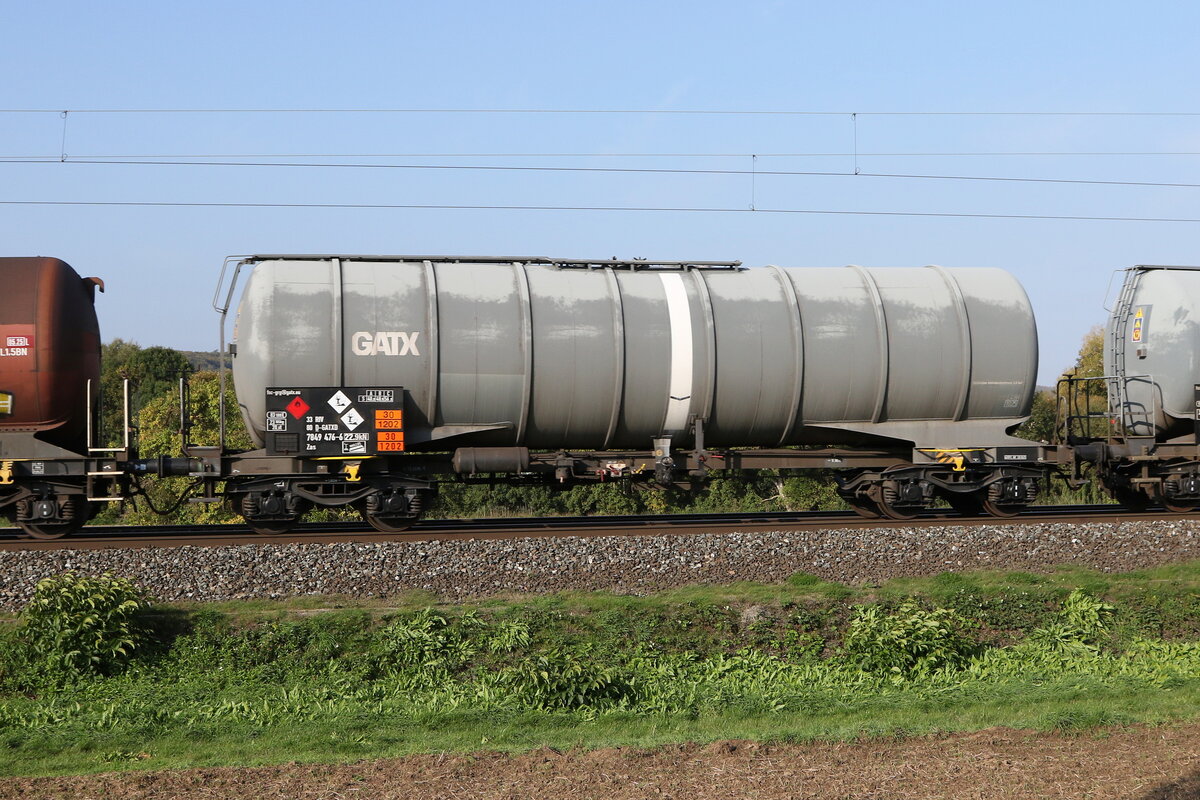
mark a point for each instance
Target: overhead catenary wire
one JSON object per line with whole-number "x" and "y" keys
{"x": 609, "y": 170}
{"x": 847, "y": 154}
{"x": 212, "y": 160}
{"x": 670, "y": 209}
{"x": 680, "y": 111}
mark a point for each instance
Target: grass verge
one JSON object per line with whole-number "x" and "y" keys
{"x": 260, "y": 683}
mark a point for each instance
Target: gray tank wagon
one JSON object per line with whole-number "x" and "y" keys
{"x": 1145, "y": 441}
{"x": 1152, "y": 349}
{"x": 559, "y": 355}
{"x": 602, "y": 369}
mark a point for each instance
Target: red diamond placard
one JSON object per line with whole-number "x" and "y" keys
{"x": 298, "y": 408}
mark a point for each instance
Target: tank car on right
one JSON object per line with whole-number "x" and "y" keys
{"x": 1144, "y": 442}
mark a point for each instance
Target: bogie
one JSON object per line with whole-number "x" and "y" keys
{"x": 275, "y": 506}
{"x": 52, "y": 515}
{"x": 271, "y": 512}
{"x": 393, "y": 509}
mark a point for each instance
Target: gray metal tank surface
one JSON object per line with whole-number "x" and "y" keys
{"x": 1152, "y": 349}
{"x": 577, "y": 355}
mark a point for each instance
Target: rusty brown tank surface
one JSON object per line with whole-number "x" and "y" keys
{"x": 49, "y": 348}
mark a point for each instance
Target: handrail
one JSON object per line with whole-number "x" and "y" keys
{"x": 1108, "y": 288}
{"x": 577, "y": 263}
{"x": 125, "y": 416}
{"x": 1118, "y": 406}
{"x": 223, "y": 311}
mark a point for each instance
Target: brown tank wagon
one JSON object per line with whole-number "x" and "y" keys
{"x": 51, "y": 477}
{"x": 49, "y": 350}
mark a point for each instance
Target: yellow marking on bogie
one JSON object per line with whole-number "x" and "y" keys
{"x": 956, "y": 457}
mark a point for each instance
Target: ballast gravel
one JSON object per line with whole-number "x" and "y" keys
{"x": 457, "y": 570}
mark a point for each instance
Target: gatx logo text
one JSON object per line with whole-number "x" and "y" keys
{"x": 385, "y": 343}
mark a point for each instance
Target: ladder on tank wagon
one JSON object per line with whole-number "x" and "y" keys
{"x": 1122, "y": 419}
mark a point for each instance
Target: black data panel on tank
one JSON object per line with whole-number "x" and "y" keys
{"x": 335, "y": 421}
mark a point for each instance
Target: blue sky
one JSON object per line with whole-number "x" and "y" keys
{"x": 160, "y": 263}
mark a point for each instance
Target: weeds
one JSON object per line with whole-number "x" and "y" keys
{"x": 911, "y": 641}
{"x": 893, "y": 665}
{"x": 76, "y": 624}
{"x": 559, "y": 679}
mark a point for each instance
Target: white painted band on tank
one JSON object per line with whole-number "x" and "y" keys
{"x": 679, "y": 312}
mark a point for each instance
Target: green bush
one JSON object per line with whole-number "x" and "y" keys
{"x": 77, "y": 624}
{"x": 430, "y": 641}
{"x": 1087, "y": 615}
{"x": 561, "y": 679}
{"x": 912, "y": 641}
{"x": 435, "y": 643}
{"x": 1081, "y": 624}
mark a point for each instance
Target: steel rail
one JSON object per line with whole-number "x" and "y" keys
{"x": 108, "y": 537}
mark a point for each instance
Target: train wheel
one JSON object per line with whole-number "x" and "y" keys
{"x": 1180, "y": 506}
{"x": 999, "y": 510}
{"x": 269, "y": 514}
{"x": 899, "y": 512}
{"x": 73, "y": 512}
{"x": 50, "y": 530}
{"x": 273, "y": 527}
{"x": 897, "y": 500}
{"x": 389, "y": 524}
{"x": 864, "y": 507}
{"x": 966, "y": 504}
{"x": 392, "y": 510}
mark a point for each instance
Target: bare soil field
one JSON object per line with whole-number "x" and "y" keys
{"x": 1135, "y": 763}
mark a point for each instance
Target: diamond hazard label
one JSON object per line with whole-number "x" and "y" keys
{"x": 339, "y": 402}
{"x": 298, "y": 408}
{"x": 1141, "y": 325}
{"x": 352, "y": 419}
{"x": 328, "y": 421}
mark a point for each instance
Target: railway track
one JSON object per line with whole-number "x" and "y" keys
{"x": 105, "y": 537}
